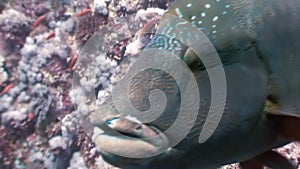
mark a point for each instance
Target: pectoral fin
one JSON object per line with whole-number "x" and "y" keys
{"x": 287, "y": 125}
{"x": 251, "y": 164}
{"x": 270, "y": 158}
{"x": 275, "y": 160}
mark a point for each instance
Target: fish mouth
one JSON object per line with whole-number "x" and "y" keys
{"x": 131, "y": 128}
{"x": 130, "y": 134}
{"x": 131, "y": 139}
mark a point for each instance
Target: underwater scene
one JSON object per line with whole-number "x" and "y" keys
{"x": 149, "y": 84}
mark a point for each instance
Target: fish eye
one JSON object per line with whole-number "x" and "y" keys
{"x": 112, "y": 122}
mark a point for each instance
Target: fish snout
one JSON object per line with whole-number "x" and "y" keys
{"x": 125, "y": 137}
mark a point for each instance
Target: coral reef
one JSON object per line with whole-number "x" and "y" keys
{"x": 14, "y": 28}
{"x": 3, "y": 73}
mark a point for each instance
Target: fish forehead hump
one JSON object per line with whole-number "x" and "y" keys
{"x": 272, "y": 26}
{"x": 220, "y": 20}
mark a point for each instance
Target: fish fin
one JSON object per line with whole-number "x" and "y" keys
{"x": 251, "y": 164}
{"x": 287, "y": 125}
{"x": 275, "y": 160}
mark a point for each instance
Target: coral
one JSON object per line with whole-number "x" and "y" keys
{"x": 164, "y": 4}
{"x": 36, "y": 160}
{"x": 87, "y": 26}
{"x": 3, "y": 73}
{"x": 77, "y": 162}
{"x": 14, "y": 28}
{"x": 101, "y": 164}
{"x": 68, "y": 25}
{"x": 100, "y": 6}
{"x": 6, "y": 155}
{"x": 40, "y": 105}
{"x": 58, "y": 142}
{"x": 2, "y": 5}
{"x": 17, "y": 116}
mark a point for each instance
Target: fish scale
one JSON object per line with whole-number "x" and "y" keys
{"x": 206, "y": 20}
{"x": 218, "y": 19}
{"x": 214, "y": 17}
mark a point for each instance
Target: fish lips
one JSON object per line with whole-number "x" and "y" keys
{"x": 130, "y": 139}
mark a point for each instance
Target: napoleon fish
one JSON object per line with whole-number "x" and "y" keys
{"x": 259, "y": 46}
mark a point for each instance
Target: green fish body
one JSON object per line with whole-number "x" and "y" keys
{"x": 258, "y": 44}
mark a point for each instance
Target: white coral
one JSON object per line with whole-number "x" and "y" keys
{"x": 17, "y": 116}
{"x": 58, "y": 142}
{"x": 3, "y": 73}
{"x": 77, "y": 162}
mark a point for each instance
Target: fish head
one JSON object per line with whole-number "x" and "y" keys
{"x": 126, "y": 142}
